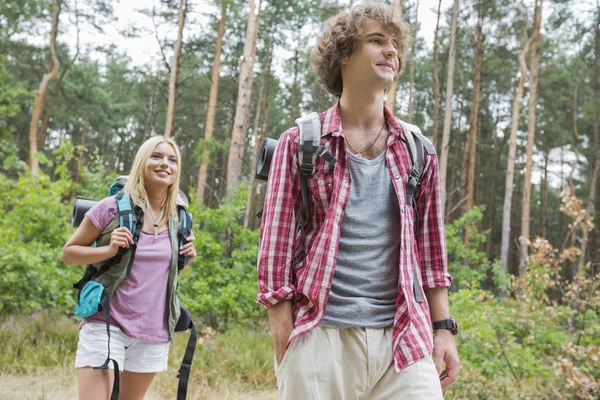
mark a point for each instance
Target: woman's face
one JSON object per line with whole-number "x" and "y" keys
{"x": 162, "y": 166}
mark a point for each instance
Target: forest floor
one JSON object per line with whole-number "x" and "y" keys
{"x": 61, "y": 384}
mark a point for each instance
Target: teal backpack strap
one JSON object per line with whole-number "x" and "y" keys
{"x": 125, "y": 206}
{"x": 130, "y": 217}
{"x": 185, "y": 230}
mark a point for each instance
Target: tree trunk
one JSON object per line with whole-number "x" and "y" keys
{"x": 492, "y": 206}
{"x": 474, "y": 125}
{"x": 449, "y": 94}
{"x": 390, "y": 102}
{"x": 175, "y": 66}
{"x": 512, "y": 153}
{"x": 245, "y": 127}
{"x": 293, "y": 100}
{"x": 591, "y": 200}
{"x": 151, "y": 116}
{"x": 544, "y": 197}
{"x": 77, "y": 178}
{"x": 212, "y": 107}
{"x": 411, "y": 67}
{"x": 40, "y": 95}
{"x": 474, "y": 118}
{"x": 436, "y": 80}
{"x": 534, "y": 62}
{"x": 234, "y": 161}
{"x": 261, "y": 115}
{"x": 48, "y": 114}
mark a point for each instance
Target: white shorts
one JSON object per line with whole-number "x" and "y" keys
{"x": 134, "y": 355}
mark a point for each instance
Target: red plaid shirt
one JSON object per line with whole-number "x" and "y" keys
{"x": 284, "y": 274}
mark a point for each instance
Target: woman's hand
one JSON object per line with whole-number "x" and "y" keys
{"x": 120, "y": 237}
{"x": 188, "y": 250}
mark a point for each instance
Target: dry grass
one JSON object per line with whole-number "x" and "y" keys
{"x": 37, "y": 354}
{"x": 61, "y": 384}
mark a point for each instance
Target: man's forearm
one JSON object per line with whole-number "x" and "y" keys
{"x": 282, "y": 324}
{"x": 280, "y": 317}
{"x": 438, "y": 303}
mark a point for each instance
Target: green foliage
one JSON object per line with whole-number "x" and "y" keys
{"x": 469, "y": 266}
{"x": 10, "y": 94}
{"x": 220, "y": 285}
{"x": 34, "y": 229}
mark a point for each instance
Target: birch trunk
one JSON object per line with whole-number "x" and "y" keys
{"x": 544, "y": 197}
{"x": 175, "y": 71}
{"x": 411, "y": 68}
{"x": 212, "y": 107}
{"x": 534, "y": 62}
{"x": 512, "y": 153}
{"x": 591, "y": 200}
{"x": 474, "y": 119}
{"x": 390, "y": 102}
{"x": 292, "y": 117}
{"x": 263, "y": 98}
{"x": 234, "y": 161}
{"x": 40, "y": 95}
{"x": 449, "y": 94}
{"x": 436, "y": 80}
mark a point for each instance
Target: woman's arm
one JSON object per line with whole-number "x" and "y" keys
{"x": 79, "y": 250}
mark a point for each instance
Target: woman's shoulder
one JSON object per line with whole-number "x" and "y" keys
{"x": 103, "y": 212}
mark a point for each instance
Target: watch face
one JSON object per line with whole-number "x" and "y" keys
{"x": 454, "y": 328}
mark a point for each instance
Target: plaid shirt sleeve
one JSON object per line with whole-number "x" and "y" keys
{"x": 431, "y": 240}
{"x": 278, "y": 225}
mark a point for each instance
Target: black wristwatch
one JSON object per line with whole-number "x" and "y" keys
{"x": 449, "y": 324}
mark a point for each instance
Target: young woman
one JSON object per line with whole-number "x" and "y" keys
{"x": 144, "y": 308}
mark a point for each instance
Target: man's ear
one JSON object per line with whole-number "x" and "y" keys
{"x": 344, "y": 60}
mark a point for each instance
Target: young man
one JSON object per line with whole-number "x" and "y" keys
{"x": 345, "y": 293}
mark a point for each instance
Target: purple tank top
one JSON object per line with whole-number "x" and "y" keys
{"x": 139, "y": 305}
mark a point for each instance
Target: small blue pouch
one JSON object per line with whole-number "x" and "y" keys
{"x": 89, "y": 299}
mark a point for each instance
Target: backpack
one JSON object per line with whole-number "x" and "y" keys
{"x": 92, "y": 297}
{"x": 309, "y": 148}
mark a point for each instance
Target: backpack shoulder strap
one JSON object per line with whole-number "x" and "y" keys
{"x": 125, "y": 207}
{"x": 308, "y": 142}
{"x": 417, "y": 145}
{"x": 131, "y": 218}
{"x": 185, "y": 230}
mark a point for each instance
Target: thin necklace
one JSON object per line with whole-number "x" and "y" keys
{"x": 360, "y": 154}
{"x": 154, "y": 221}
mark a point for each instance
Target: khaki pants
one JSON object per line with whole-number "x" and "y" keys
{"x": 352, "y": 364}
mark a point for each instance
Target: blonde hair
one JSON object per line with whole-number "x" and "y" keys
{"x": 135, "y": 187}
{"x": 342, "y": 34}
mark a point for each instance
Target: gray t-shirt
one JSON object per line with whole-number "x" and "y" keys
{"x": 365, "y": 284}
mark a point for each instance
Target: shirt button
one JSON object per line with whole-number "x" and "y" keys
{"x": 345, "y": 182}
{"x": 402, "y": 286}
{"x": 323, "y": 286}
{"x": 329, "y": 184}
{"x": 397, "y": 177}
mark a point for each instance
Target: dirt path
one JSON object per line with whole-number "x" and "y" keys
{"x": 61, "y": 384}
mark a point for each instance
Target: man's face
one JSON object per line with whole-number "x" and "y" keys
{"x": 374, "y": 63}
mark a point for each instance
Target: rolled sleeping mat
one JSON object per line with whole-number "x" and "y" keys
{"x": 264, "y": 161}
{"x": 82, "y": 205}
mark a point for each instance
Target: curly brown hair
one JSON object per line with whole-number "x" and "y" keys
{"x": 342, "y": 34}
